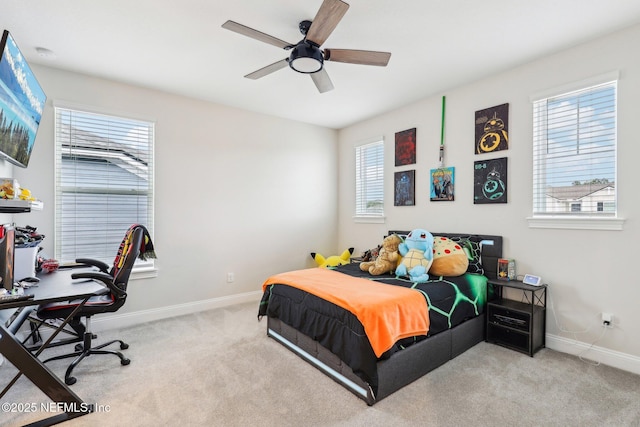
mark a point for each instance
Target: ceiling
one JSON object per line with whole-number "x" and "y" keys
{"x": 180, "y": 47}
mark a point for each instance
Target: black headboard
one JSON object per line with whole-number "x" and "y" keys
{"x": 491, "y": 247}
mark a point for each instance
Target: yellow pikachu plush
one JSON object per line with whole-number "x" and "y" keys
{"x": 333, "y": 260}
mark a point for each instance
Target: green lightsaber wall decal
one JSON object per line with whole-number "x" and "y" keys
{"x": 441, "y": 158}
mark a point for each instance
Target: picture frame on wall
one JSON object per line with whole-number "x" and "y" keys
{"x": 406, "y": 147}
{"x": 492, "y": 129}
{"x": 442, "y": 184}
{"x": 490, "y": 181}
{"x": 404, "y": 188}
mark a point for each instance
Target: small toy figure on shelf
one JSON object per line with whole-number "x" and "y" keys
{"x": 506, "y": 269}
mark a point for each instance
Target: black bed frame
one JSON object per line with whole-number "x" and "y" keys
{"x": 405, "y": 366}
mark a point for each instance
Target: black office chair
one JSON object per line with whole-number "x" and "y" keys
{"x": 115, "y": 278}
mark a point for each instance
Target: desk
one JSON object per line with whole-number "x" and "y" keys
{"x": 53, "y": 287}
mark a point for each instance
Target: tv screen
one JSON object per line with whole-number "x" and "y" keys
{"x": 21, "y": 104}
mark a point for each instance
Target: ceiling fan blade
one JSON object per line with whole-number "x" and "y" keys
{"x": 255, "y": 34}
{"x": 322, "y": 81}
{"x": 326, "y": 20}
{"x": 268, "y": 69}
{"x": 365, "y": 57}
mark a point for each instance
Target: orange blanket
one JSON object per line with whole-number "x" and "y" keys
{"x": 387, "y": 312}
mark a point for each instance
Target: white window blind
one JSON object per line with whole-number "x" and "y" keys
{"x": 104, "y": 183}
{"x": 574, "y": 153}
{"x": 370, "y": 179}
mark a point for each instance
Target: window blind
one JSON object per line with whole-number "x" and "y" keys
{"x": 104, "y": 182}
{"x": 574, "y": 152}
{"x": 370, "y": 179}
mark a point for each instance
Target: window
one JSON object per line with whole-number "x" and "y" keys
{"x": 370, "y": 180}
{"x": 574, "y": 153}
{"x": 104, "y": 183}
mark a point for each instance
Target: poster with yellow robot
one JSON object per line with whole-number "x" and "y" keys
{"x": 492, "y": 133}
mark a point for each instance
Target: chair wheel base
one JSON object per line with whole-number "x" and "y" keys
{"x": 124, "y": 346}
{"x": 125, "y": 362}
{"x": 70, "y": 380}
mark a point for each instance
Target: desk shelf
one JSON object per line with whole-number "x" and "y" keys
{"x": 19, "y": 206}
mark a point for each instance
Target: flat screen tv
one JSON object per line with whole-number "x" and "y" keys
{"x": 21, "y": 104}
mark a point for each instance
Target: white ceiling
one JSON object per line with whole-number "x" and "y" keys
{"x": 180, "y": 47}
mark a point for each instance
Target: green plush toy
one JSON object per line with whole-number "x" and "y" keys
{"x": 333, "y": 260}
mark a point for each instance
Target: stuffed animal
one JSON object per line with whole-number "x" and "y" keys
{"x": 417, "y": 256}
{"x": 387, "y": 258}
{"x": 333, "y": 260}
{"x": 449, "y": 258}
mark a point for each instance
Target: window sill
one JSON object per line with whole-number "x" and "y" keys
{"x": 144, "y": 273}
{"x": 369, "y": 219}
{"x": 575, "y": 223}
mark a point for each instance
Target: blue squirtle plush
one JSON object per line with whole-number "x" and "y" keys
{"x": 417, "y": 256}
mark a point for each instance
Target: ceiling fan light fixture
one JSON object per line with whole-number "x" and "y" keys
{"x": 306, "y": 58}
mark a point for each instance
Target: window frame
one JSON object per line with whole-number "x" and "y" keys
{"x": 361, "y": 215}
{"x": 596, "y": 220}
{"x": 141, "y": 269}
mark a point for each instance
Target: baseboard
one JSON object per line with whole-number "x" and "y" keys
{"x": 105, "y": 322}
{"x": 616, "y": 359}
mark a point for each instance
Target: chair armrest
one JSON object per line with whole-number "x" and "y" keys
{"x": 94, "y": 263}
{"x": 101, "y": 277}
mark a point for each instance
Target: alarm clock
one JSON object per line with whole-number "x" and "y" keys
{"x": 530, "y": 279}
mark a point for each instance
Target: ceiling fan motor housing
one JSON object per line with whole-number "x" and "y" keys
{"x": 306, "y": 58}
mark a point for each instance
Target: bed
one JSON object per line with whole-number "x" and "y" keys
{"x": 341, "y": 341}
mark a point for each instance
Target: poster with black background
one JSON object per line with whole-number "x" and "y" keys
{"x": 490, "y": 181}
{"x": 492, "y": 129}
{"x": 404, "y": 188}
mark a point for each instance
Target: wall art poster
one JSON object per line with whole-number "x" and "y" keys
{"x": 404, "y": 188}
{"x": 492, "y": 129}
{"x": 406, "y": 147}
{"x": 490, "y": 181}
{"x": 442, "y": 184}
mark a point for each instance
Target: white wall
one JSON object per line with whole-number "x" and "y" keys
{"x": 588, "y": 271}
{"x": 235, "y": 192}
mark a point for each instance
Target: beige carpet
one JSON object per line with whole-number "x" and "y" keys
{"x": 218, "y": 368}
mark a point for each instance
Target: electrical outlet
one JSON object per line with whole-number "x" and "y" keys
{"x": 231, "y": 277}
{"x": 607, "y": 320}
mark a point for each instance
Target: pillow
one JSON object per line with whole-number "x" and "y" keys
{"x": 449, "y": 258}
{"x": 471, "y": 245}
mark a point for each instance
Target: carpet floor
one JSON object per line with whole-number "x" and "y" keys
{"x": 218, "y": 368}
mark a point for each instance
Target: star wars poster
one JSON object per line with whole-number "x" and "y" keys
{"x": 404, "y": 188}
{"x": 492, "y": 133}
{"x": 490, "y": 181}
{"x": 442, "y": 184}
{"x": 406, "y": 147}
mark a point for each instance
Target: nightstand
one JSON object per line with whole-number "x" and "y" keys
{"x": 519, "y": 325}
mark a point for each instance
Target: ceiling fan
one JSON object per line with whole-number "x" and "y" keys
{"x": 306, "y": 56}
